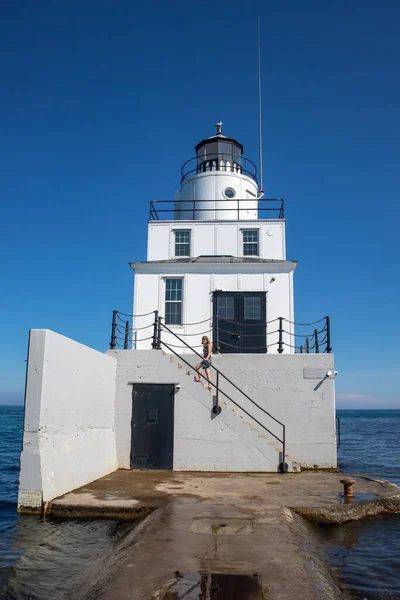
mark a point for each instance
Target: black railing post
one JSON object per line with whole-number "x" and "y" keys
{"x": 328, "y": 335}
{"x": 283, "y": 466}
{"x": 216, "y": 409}
{"x": 154, "y": 343}
{"x": 316, "y": 341}
{"x": 307, "y": 346}
{"x": 280, "y": 343}
{"x": 126, "y": 340}
{"x": 159, "y": 333}
{"x": 301, "y": 349}
{"x": 113, "y": 342}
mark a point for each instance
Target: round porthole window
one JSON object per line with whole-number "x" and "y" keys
{"x": 229, "y": 193}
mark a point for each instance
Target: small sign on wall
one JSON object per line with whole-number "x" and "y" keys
{"x": 29, "y": 499}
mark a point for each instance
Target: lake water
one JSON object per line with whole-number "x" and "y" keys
{"x": 36, "y": 553}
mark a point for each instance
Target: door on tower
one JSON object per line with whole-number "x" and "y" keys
{"x": 239, "y": 322}
{"x": 152, "y": 426}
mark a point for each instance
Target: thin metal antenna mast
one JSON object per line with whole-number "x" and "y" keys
{"x": 261, "y": 189}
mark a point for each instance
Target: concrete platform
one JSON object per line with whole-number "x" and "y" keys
{"x": 225, "y": 524}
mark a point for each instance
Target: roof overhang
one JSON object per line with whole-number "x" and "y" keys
{"x": 164, "y": 267}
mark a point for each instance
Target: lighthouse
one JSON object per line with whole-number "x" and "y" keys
{"x": 216, "y": 259}
{"x": 216, "y": 266}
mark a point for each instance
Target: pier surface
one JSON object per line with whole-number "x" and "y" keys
{"x": 211, "y": 529}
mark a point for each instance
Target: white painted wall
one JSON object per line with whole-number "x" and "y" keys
{"x": 207, "y": 190}
{"x": 197, "y": 301}
{"x": 69, "y": 435}
{"x": 211, "y": 238}
{"x": 279, "y": 383}
{"x": 201, "y": 442}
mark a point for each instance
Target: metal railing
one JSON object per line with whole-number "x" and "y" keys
{"x": 187, "y": 210}
{"x": 317, "y": 341}
{"x": 218, "y": 162}
{"x": 158, "y": 343}
{"x": 121, "y": 336}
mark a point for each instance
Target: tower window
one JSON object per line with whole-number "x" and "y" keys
{"x": 229, "y": 193}
{"x": 250, "y": 242}
{"x": 182, "y": 242}
{"x": 173, "y": 301}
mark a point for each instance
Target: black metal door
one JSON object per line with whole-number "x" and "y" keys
{"x": 240, "y": 322}
{"x": 152, "y": 443}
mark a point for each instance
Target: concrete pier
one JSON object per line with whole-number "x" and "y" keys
{"x": 248, "y": 526}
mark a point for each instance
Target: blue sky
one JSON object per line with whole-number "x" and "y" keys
{"x": 102, "y": 102}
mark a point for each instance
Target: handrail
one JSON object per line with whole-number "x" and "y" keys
{"x": 222, "y": 374}
{"x": 219, "y": 373}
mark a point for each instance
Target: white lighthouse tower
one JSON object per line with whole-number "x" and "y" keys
{"x": 216, "y": 265}
{"x": 216, "y": 259}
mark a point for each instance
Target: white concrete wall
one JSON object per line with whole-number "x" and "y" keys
{"x": 222, "y": 238}
{"x": 201, "y": 442}
{"x": 295, "y": 390}
{"x": 69, "y": 435}
{"x": 292, "y": 388}
{"x": 197, "y": 303}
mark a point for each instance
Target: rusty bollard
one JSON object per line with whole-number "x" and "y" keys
{"x": 348, "y": 487}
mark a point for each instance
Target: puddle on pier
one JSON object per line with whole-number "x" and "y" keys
{"x": 357, "y": 498}
{"x": 217, "y": 586}
{"x": 353, "y": 500}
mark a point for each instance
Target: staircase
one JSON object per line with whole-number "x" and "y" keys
{"x": 265, "y": 450}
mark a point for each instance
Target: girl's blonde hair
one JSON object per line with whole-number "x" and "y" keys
{"x": 206, "y": 338}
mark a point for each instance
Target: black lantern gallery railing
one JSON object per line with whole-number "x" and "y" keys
{"x": 266, "y": 208}
{"x": 222, "y": 162}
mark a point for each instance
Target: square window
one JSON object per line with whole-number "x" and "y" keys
{"x": 226, "y": 307}
{"x": 182, "y": 242}
{"x": 173, "y": 301}
{"x": 250, "y": 242}
{"x": 252, "y": 308}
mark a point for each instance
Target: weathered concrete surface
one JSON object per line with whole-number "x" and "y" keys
{"x": 223, "y": 523}
{"x": 143, "y": 490}
{"x": 69, "y": 436}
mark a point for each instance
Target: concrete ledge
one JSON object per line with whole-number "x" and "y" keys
{"x": 124, "y": 513}
{"x": 350, "y": 512}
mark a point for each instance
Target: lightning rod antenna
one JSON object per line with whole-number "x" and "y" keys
{"x": 261, "y": 189}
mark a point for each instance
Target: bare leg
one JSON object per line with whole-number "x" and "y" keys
{"x": 207, "y": 371}
{"x": 197, "y": 367}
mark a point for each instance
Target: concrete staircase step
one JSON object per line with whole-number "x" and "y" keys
{"x": 249, "y": 429}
